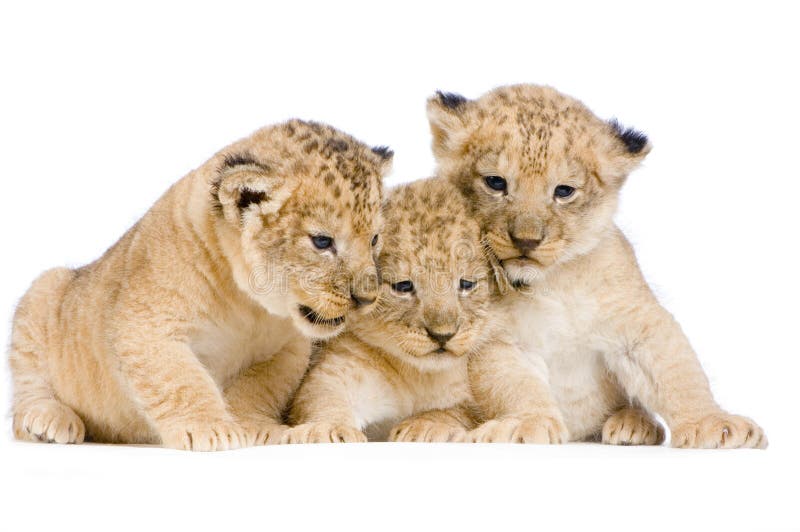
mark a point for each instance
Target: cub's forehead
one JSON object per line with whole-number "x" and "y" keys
{"x": 333, "y": 166}
{"x": 427, "y": 226}
{"x": 535, "y": 114}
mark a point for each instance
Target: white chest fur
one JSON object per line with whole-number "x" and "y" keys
{"x": 232, "y": 340}
{"x": 378, "y": 403}
{"x": 558, "y": 328}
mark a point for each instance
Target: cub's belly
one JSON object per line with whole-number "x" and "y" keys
{"x": 583, "y": 389}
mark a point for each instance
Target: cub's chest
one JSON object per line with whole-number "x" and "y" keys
{"x": 441, "y": 389}
{"x": 231, "y": 341}
{"x": 553, "y": 322}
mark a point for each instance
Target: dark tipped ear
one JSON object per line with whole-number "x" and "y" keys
{"x": 246, "y": 187}
{"x": 386, "y": 156}
{"x": 635, "y": 141}
{"x": 448, "y": 115}
{"x": 625, "y": 150}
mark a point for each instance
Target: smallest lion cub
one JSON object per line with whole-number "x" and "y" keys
{"x": 406, "y": 359}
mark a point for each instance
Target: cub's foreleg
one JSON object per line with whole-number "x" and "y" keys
{"x": 177, "y": 394}
{"x": 513, "y": 394}
{"x": 657, "y": 366}
{"x": 340, "y": 396}
{"x": 449, "y": 425}
{"x": 259, "y": 396}
{"x": 631, "y": 425}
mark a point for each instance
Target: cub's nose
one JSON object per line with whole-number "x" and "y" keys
{"x": 440, "y": 337}
{"x": 524, "y": 244}
{"x": 362, "y": 300}
{"x": 364, "y": 289}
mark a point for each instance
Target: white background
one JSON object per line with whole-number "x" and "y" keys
{"x": 102, "y": 107}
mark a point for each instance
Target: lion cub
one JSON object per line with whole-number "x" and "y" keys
{"x": 193, "y": 330}
{"x": 542, "y": 174}
{"x": 408, "y": 355}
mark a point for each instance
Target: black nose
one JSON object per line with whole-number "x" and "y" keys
{"x": 362, "y": 301}
{"x": 524, "y": 244}
{"x": 440, "y": 338}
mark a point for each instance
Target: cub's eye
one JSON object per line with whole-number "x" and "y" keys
{"x": 322, "y": 241}
{"x": 463, "y": 284}
{"x": 563, "y": 191}
{"x": 404, "y": 287}
{"x": 495, "y": 182}
{"x": 374, "y": 241}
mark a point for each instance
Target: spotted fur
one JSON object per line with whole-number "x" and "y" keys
{"x": 195, "y": 328}
{"x": 600, "y": 353}
{"x": 399, "y": 359}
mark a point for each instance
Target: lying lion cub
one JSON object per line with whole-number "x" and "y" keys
{"x": 408, "y": 355}
{"x": 193, "y": 330}
{"x": 542, "y": 174}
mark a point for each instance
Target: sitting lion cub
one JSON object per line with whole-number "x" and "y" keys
{"x": 193, "y": 330}
{"x": 408, "y": 356}
{"x": 542, "y": 175}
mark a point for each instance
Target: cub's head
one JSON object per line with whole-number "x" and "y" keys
{"x": 299, "y": 207}
{"x": 540, "y": 171}
{"x": 433, "y": 302}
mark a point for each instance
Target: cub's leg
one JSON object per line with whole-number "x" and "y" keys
{"x": 176, "y": 393}
{"x": 450, "y": 425}
{"x": 660, "y": 369}
{"x": 632, "y": 426}
{"x": 259, "y": 396}
{"x": 38, "y": 414}
{"x": 514, "y": 396}
{"x": 335, "y": 391}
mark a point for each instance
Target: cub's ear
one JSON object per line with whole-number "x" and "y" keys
{"x": 385, "y": 158}
{"x": 624, "y": 150}
{"x": 448, "y": 115}
{"x": 246, "y": 187}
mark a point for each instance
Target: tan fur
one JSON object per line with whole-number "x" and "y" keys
{"x": 385, "y": 367}
{"x": 188, "y": 331}
{"x": 595, "y": 338}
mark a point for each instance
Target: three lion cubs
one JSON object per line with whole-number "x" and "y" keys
{"x": 498, "y": 302}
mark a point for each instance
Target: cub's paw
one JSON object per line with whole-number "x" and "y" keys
{"x": 632, "y": 426}
{"x": 527, "y": 429}
{"x": 323, "y": 433}
{"x": 49, "y": 421}
{"x": 210, "y": 436}
{"x": 266, "y": 432}
{"x": 719, "y": 431}
{"x": 423, "y": 430}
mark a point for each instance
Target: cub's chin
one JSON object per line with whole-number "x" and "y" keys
{"x": 523, "y": 271}
{"x": 315, "y": 325}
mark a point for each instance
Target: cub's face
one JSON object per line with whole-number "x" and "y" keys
{"x": 433, "y": 302}
{"x": 540, "y": 171}
{"x": 305, "y": 200}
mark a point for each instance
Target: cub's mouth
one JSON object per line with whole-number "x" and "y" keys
{"x": 315, "y": 319}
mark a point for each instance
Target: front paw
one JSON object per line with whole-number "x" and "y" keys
{"x": 423, "y": 430}
{"x": 204, "y": 436}
{"x": 262, "y": 432}
{"x": 543, "y": 429}
{"x": 632, "y": 426}
{"x": 719, "y": 431}
{"x": 323, "y": 433}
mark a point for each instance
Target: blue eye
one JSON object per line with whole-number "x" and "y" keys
{"x": 403, "y": 287}
{"x": 563, "y": 191}
{"x": 495, "y": 182}
{"x": 463, "y": 284}
{"x": 322, "y": 241}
